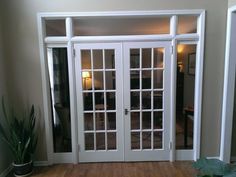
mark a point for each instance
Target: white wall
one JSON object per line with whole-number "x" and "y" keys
{"x": 4, "y": 154}
{"x": 23, "y": 63}
{"x": 232, "y": 3}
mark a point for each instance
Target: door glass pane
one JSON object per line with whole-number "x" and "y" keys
{"x": 110, "y": 80}
{"x": 185, "y": 90}
{"x": 99, "y": 100}
{"x": 135, "y": 140}
{"x": 157, "y": 120}
{"x": 157, "y": 99}
{"x": 97, "y": 59}
{"x": 187, "y": 24}
{"x": 157, "y": 140}
{"x": 146, "y": 100}
{"x": 149, "y": 76}
{"x": 86, "y": 59}
{"x": 87, "y": 80}
{"x": 111, "y": 141}
{"x": 135, "y": 100}
{"x": 134, "y": 58}
{"x": 135, "y": 120}
{"x": 111, "y": 121}
{"x": 111, "y": 100}
{"x": 146, "y": 58}
{"x": 88, "y": 101}
{"x": 60, "y": 99}
{"x": 99, "y": 97}
{"x": 100, "y": 141}
{"x": 158, "y": 79}
{"x": 109, "y": 59}
{"x": 146, "y": 137}
{"x": 158, "y": 57}
{"x": 100, "y": 121}
{"x": 88, "y": 121}
{"x": 98, "y": 80}
{"x": 55, "y": 27}
{"x": 134, "y": 79}
{"x": 147, "y": 120}
{"x": 146, "y": 79}
{"x": 89, "y": 141}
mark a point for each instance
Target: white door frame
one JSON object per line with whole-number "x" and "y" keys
{"x": 229, "y": 87}
{"x": 69, "y": 39}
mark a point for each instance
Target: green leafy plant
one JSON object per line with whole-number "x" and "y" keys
{"x": 214, "y": 168}
{"x": 19, "y": 134}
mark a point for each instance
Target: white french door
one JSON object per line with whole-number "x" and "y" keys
{"x": 99, "y": 102}
{"x": 147, "y": 100}
{"x": 123, "y": 101}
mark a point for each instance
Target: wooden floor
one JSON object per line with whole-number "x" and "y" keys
{"x": 142, "y": 169}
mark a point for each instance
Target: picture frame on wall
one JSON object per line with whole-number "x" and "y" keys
{"x": 191, "y": 63}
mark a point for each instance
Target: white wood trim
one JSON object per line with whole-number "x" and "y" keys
{"x": 56, "y": 39}
{"x": 45, "y": 89}
{"x": 41, "y": 163}
{"x": 173, "y": 100}
{"x": 62, "y": 157}
{"x": 56, "y": 15}
{"x": 174, "y": 24}
{"x": 188, "y": 37}
{"x": 56, "y": 45}
{"x": 69, "y": 40}
{"x": 7, "y": 171}
{"x": 213, "y": 157}
{"x": 184, "y": 154}
{"x": 73, "y": 103}
{"x": 122, "y": 38}
{"x": 198, "y": 86}
{"x": 228, "y": 92}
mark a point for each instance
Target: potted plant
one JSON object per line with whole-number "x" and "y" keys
{"x": 19, "y": 134}
{"x": 214, "y": 168}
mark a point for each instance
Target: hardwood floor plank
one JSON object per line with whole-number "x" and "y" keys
{"x": 131, "y": 169}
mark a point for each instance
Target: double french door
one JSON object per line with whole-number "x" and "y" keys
{"x": 123, "y": 101}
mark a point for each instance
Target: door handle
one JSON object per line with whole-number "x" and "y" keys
{"x": 126, "y": 111}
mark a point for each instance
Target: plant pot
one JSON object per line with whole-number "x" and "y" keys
{"x": 22, "y": 170}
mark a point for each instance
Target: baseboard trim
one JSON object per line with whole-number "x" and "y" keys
{"x": 6, "y": 171}
{"x": 213, "y": 158}
{"x": 40, "y": 163}
{"x": 233, "y": 159}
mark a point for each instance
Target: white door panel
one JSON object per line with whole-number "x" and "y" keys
{"x": 99, "y": 100}
{"x": 147, "y": 100}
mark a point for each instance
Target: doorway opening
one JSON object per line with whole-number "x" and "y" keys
{"x": 124, "y": 85}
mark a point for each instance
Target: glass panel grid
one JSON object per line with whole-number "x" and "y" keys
{"x": 144, "y": 102}
{"x": 102, "y": 102}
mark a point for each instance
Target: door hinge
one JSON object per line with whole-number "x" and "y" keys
{"x": 126, "y": 111}
{"x": 74, "y": 52}
{"x": 170, "y": 145}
